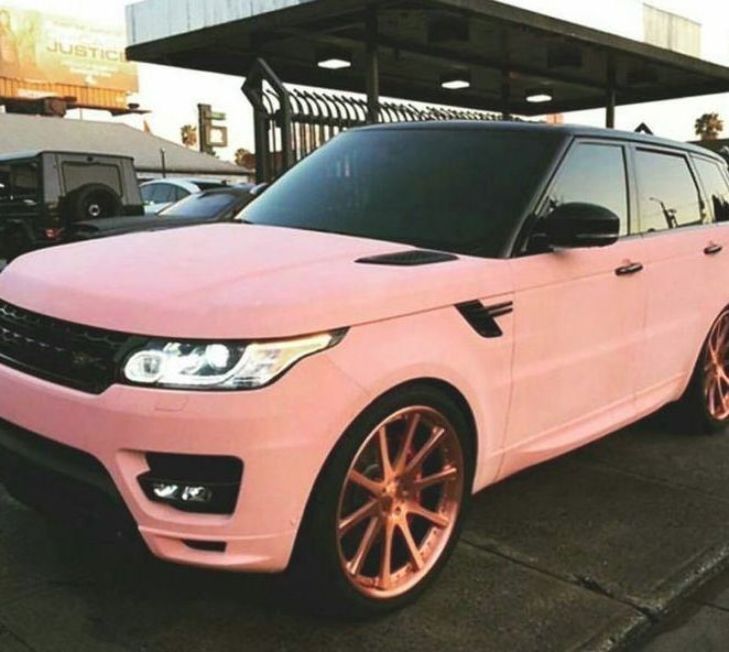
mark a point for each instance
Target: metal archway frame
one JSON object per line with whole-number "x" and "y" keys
{"x": 290, "y": 123}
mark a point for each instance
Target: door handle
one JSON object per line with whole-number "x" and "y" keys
{"x": 713, "y": 249}
{"x": 631, "y": 268}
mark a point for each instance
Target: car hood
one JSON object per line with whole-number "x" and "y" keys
{"x": 236, "y": 281}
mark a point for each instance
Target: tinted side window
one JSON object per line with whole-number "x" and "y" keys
{"x": 24, "y": 180}
{"x": 163, "y": 193}
{"x": 669, "y": 197}
{"x": 147, "y": 192}
{"x": 593, "y": 174}
{"x": 717, "y": 188}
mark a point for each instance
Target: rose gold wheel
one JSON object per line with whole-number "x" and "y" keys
{"x": 716, "y": 369}
{"x": 400, "y": 502}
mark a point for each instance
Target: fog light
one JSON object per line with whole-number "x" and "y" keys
{"x": 165, "y": 491}
{"x": 201, "y": 484}
{"x": 197, "y": 495}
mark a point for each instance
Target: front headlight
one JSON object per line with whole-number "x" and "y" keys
{"x": 219, "y": 365}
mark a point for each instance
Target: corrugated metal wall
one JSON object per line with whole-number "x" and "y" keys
{"x": 156, "y": 19}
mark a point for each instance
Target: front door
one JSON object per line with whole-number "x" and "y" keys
{"x": 579, "y": 320}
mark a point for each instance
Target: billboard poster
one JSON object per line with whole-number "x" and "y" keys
{"x": 40, "y": 48}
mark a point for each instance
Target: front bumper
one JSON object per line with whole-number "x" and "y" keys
{"x": 282, "y": 434}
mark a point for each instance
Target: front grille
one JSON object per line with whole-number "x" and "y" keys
{"x": 69, "y": 354}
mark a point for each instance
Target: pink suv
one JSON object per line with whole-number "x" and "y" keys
{"x": 408, "y": 316}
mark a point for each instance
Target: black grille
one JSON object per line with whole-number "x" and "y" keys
{"x": 68, "y": 354}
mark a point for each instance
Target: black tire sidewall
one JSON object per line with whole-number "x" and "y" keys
{"x": 316, "y": 562}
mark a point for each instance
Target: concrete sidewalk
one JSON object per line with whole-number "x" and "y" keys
{"x": 587, "y": 552}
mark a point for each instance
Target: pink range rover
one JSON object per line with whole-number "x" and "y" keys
{"x": 408, "y": 316}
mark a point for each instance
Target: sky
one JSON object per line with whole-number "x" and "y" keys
{"x": 172, "y": 94}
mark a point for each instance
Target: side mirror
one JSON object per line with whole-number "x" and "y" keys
{"x": 259, "y": 189}
{"x": 576, "y": 225}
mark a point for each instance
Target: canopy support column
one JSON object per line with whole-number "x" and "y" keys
{"x": 611, "y": 97}
{"x": 373, "y": 68}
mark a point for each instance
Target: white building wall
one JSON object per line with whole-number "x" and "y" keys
{"x": 625, "y": 18}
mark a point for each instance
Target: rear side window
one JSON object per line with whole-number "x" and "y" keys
{"x": 668, "y": 195}
{"x": 593, "y": 173}
{"x": 180, "y": 193}
{"x": 716, "y": 187}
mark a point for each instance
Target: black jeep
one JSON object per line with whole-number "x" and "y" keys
{"x": 42, "y": 193}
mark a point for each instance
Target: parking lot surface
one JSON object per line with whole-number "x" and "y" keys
{"x": 591, "y": 551}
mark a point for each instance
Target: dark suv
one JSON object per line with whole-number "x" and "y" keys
{"x": 41, "y": 193}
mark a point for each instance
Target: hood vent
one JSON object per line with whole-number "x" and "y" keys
{"x": 409, "y": 258}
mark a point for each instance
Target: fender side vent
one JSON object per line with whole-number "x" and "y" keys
{"x": 483, "y": 318}
{"x": 409, "y": 258}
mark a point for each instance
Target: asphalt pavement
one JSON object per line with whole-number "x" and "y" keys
{"x": 610, "y": 547}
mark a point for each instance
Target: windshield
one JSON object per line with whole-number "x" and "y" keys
{"x": 203, "y": 206}
{"x": 453, "y": 189}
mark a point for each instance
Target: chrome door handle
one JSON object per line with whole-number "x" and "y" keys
{"x": 713, "y": 249}
{"x": 632, "y": 268}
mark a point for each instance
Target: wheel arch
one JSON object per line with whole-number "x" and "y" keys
{"x": 446, "y": 388}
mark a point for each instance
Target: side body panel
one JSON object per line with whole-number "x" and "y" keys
{"x": 578, "y": 333}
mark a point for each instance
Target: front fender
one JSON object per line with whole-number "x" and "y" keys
{"x": 439, "y": 345}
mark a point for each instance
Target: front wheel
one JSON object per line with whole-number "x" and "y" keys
{"x": 388, "y": 507}
{"x": 706, "y": 402}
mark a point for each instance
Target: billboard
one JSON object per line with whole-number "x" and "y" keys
{"x": 38, "y": 48}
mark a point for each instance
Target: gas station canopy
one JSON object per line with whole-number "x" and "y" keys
{"x": 473, "y": 53}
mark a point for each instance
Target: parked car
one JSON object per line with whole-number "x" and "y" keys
{"x": 158, "y": 195}
{"x": 42, "y": 193}
{"x": 208, "y": 206}
{"x": 323, "y": 384}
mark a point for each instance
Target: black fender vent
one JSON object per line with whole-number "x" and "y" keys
{"x": 483, "y": 318}
{"x": 409, "y": 258}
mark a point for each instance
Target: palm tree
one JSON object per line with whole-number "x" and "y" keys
{"x": 189, "y": 135}
{"x": 709, "y": 126}
{"x": 244, "y": 158}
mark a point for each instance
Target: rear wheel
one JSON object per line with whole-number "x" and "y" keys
{"x": 92, "y": 202}
{"x": 706, "y": 403}
{"x": 388, "y": 508}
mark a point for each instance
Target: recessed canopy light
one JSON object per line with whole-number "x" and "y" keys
{"x": 539, "y": 95}
{"x": 334, "y": 64}
{"x": 334, "y": 60}
{"x": 456, "y": 81}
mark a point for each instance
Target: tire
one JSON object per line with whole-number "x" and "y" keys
{"x": 339, "y": 565}
{"x": 92, "y": 202}
{"x": 705, "y": 405}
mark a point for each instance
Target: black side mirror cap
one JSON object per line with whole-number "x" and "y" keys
{"x": 577, "y": 224}
{"x": 259, "y": 189}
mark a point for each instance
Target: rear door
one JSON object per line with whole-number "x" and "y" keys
{"x": 674, "y": 222}
{"x": 579, "y": 318}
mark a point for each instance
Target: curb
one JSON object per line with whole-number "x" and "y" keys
{"x": 626, "y": 633}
